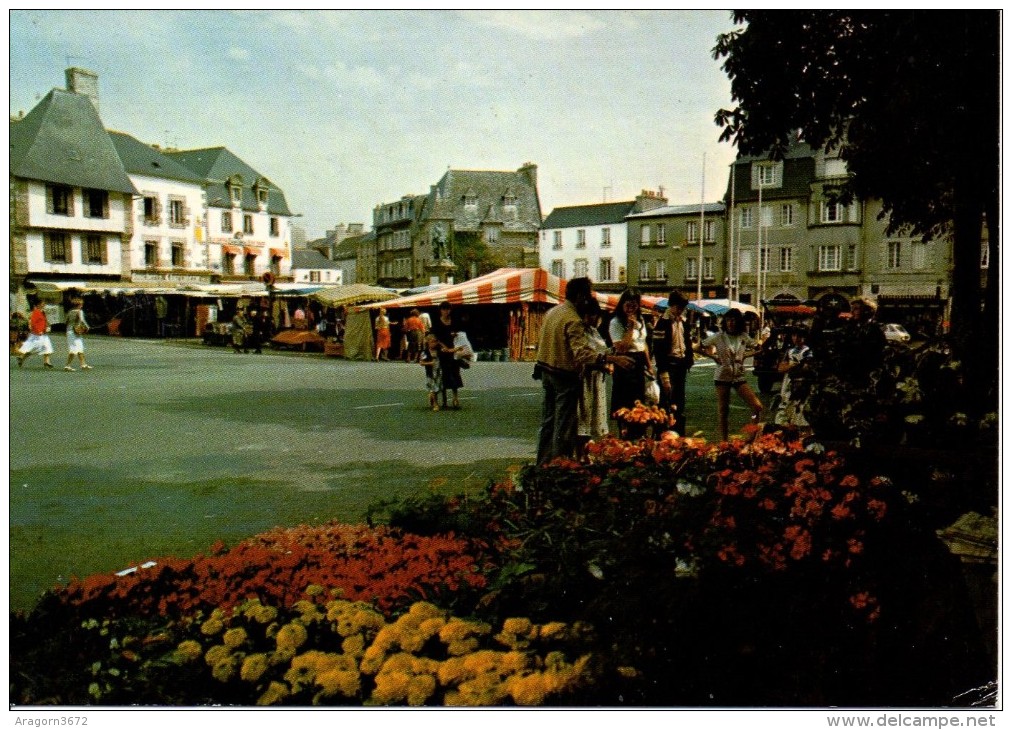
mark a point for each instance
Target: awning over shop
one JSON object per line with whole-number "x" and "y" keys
{"x": 278, "y": 253}
{"x": 251, "y": 251}
{"x": 503, "y": 286}
{"x": 352, "y": 294}
{"x": 228, "y": 248}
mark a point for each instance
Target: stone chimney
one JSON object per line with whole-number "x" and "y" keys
{"x": 649, "y": 200}
{"x": 530, "y": 171}
{"x": 84, "y": 82}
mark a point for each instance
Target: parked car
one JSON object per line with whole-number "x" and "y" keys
{"x": 895, "y": 333}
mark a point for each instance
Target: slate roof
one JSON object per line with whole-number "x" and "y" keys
{"x": 600, "y": 214}
{"x": 312, "y": 259}
{"x": 215, "y": 165}
{"x": 348, "y": 248}
{"x": 489, "y": 189}
{"x": 670, "y": 210}
{"x": 62, "y": 140}
{"x": 799, "y": 171}
{"x": 141, "y": 159}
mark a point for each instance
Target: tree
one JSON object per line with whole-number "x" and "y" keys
{"x": 911, "y": 98}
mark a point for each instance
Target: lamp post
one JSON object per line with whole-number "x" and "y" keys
{"x": 702, "y": 210}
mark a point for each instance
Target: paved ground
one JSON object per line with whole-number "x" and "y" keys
{"x": 166, "y": 447}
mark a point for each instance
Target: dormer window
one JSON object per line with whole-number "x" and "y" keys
{"x": 470, "y": 200}
{"x": 767, "y": 175}
{"x": 509, "y": 200}
{"x": 262, "y": 190}
{"x": 235, "y": 191}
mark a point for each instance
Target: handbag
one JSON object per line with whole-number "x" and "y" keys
{"x": 651, "y": 390}
{"x": 467, "y": 355}
{"x": 80, "y": 329}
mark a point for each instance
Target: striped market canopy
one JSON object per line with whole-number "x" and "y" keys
{"x": 503, "y": 286}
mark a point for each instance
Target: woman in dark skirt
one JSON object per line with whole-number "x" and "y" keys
{"x": 444, "y": 329}
{"x": 629, "y": 337}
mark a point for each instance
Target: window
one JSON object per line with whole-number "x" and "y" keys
{"x": 661, "y": 269}
{"x": 470, "y": 200}
{"x": 226, "y": 221}
{"x": 746, "y": 220}
{"x": 59, "y": 200}
{"x": 249, "y": 265}
{"x": 832, "y": 212}
{"x": 510, "y": 201}
{"x": 556, "y": 240}
{"x": 94, "y": 249}
{"x": 829, "y": 258}
{"x": 985, "y": 255}
{"x": 247, "y": 224}
{"x": 228, "y": 263}
{"x": 96, "y": 203}
{"x": 57, "y": 248}
{"x": 605, "y": 237}
{"x": 691, "y": 269}
{"x": 491, "y": 236}
{"x": 661, "y": 237}
{"x": 559, "y": 268}
{"x": 767, "y": 174}
{"x": 894, "y": 253}
{"x": 767, "y": 216}
{"x": 787, "y": 215}
{"x": 581, "y": 239}
{"x": 150, "y": 254}
{"x": 177, "y": 212}
{"x": 852, "y": 257}
{"x": 764, "y": 258}
{"x": 786, "y": 258}
{"x": 645, "y": 234}
{"x": 644, "y": 270}
{"x": 275, "y": 227}
{"x": 745, "y": 261}
{"x": 691, "y": 231}
{"x": 275, "y": 265}
{"x": 262, "y": 197}
{"x": 708, "y": 268}
{"x": 579, "y": 268}
{"x": 710, "y": 231}
{"x": 919, "y": 255}
{"x": 178, "y": 254}
{"x": 605, "y": 270}
{"x": 314, "y": 276}
{"x": 152, "y": 210}
{"x": 236, "y": 193}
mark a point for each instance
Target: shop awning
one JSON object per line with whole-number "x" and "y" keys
{"x": 252, "y": 251}
{"x": 278, "y": 253}
{"x": 234, "y": 250}
{"x": 503, "y": 286}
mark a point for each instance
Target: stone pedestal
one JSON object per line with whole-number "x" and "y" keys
{"x": 440, "y": 271}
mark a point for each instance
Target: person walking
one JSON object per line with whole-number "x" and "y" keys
{"x": 414, "y": 329}
{"x": 239, "y": 326}
{"x": 729, "y": 348}
{"x": 382, "y": 327}
{"x": 429, "y": 358}
{"x": 38, "y": 337}
{"x": 628, "y": 334}
{"x": 672, "y": 346}
{"x": 444, "y": 330}
{"x": 77, "y": 327}
{"x": 563, "y": 349}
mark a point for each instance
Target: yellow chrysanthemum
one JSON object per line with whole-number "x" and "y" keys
{"x": 224, "y": 670}
{"x": 512, "y": 662}
{"x": 217, "y": 653}
{"x": 354, "y": 645}
{"x": 189, "y": 651}
{"x": 275, "y": 693}
{"x": 234, "y": 638}
{"x": 529, "y": 690}
{"x": 291, "y": 636}
{"x": 423, "y": 610}
{"x": 420, "y": 689}
{"x": 281, "y": 656}
{"x": 253, "y": 667}
{"x": 424, "y": 665}
{"x": 336, "y": 608}
{"x": 462, "y": 647}
{"x": 430, "y": 627}
{"x": 481, "y": 661}
{"x": 212, "y": 626}
{"x": 339, "y": 681}
{"x": 627, "y": 672}
{"x": 451, "y": 671}
{"x": 412, "y": 641}
{"x": 314, "y": 590}
{"x": 553, "y": 630}
{"x": 400, "y": 662}
{"x": 386, "y": 638}
{"x": 263, "y": 614}
{"x": 391, "y": 687}
{"x": 517, "y": 626}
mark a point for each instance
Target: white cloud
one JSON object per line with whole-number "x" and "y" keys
{"x": 362, "y": 77}
{"x": 538, "y": 24}
{"x": 238, "y": 54}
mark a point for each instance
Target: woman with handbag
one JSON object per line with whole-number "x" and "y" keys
{"x": 77, "y": 326}
{"x": 629, "y": 337}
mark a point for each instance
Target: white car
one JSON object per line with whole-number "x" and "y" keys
{"x": 895, "y": 333}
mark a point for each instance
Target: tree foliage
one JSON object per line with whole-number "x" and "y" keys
{"x": 910, "y": 97}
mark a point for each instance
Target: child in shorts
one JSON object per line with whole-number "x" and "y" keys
{"x": 429, "y": 359}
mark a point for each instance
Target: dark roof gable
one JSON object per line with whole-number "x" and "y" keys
{"x": 62, "y": 140}
{"x": 141, "y": 159}
{"x": 216, "y": 165}
{"x": 601, "y": 214}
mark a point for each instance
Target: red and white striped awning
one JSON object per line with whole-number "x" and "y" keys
{"x": 503, "y": 286}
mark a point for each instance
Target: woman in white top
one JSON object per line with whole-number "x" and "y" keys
{"x": 729, "y": 348}
{"x": 77, "y": 325}
{"x": 628, "y": 334}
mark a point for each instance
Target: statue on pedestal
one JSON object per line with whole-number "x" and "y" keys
{"x": 438, "y": 243}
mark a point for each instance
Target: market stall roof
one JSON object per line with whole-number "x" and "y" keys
{"x": 349, "y": 294}
{"x": 608, "y": 302}
{"x": 713, "y": 306}
{"x": 503, "y": 286}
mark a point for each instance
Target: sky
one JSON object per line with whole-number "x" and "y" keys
{"x": 345, "y": 110}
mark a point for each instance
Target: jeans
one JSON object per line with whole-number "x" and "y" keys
{"x": 557, "y": 436}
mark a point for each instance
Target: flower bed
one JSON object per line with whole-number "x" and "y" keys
{"x": 666, "y": 571}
